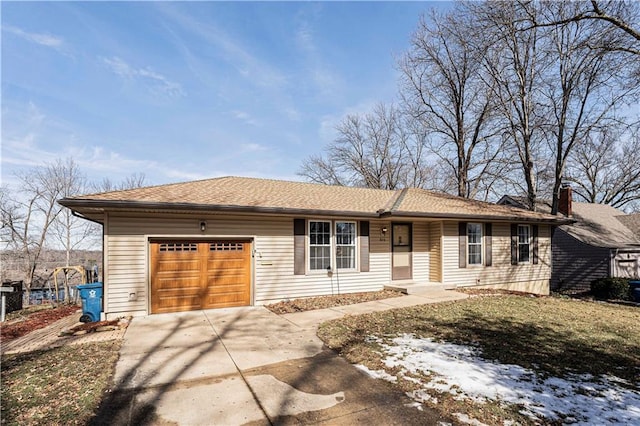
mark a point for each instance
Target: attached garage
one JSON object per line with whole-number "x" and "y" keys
{"x": 192, "y": 275}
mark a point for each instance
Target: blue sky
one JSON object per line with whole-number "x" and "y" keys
{"x": 181, "y": 91}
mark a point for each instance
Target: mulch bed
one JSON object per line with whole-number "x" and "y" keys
{"x": 495, "y": 292}
{"x": 323, "y": 302}
{"x": 35, "y": 321}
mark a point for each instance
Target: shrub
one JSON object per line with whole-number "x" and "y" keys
{"x": 610, "y": 288}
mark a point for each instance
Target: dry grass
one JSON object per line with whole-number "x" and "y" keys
{"x": 61, "y": 386}
{"x": 552, "y": 336}
{"x": 323, "y": 302}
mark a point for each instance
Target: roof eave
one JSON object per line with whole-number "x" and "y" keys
{"x": 80, "y": 204}
{"x": 500, "y": 218}
{"x": 140, "y": 205}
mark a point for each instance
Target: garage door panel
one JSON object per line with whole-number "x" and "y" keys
{"x": 202, "y": 275}
{"x": 178, "y": 284}
{"x": 178, "y": 303}
{"x": 178, "y": 265}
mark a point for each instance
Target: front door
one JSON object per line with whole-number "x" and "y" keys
{"x": 401, "y": 251}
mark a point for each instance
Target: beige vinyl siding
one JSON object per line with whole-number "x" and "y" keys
{"x": 435, "y": 252}
{"x": 421, "y": 252}
{"x": 127, "y": 259}
{"x": 274, "y": 270}
{"x": 524, "y": 277}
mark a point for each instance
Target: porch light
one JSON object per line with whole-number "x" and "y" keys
{"x": 383, "y": 233}
{"x": 203, "y": 225}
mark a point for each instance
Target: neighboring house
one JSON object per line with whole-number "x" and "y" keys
{"x": 602, "y": 242}
{"x": 631, "y": 221}
{"x": 236, "y": 241}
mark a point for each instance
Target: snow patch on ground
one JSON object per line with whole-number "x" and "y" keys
{"x": 468, "y": 420}
{"x": 459, "y": 370}
{"x": 377, "y": 374}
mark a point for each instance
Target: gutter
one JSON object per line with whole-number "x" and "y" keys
{"x": 478, "y": 217}
{"x": 99, "y": 204}
{"x": 382, "y": 213}
{"x": 76, "y": 214}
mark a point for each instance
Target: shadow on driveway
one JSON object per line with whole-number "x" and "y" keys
{"x": 239, "y": 366}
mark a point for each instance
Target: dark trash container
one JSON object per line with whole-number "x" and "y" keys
{"x": 91, "y": 295}
{"x": 635, "y": 290}
{"x": 13, "y": 299}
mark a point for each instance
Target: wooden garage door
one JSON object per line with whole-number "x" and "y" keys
{"x": 191, "y": 275}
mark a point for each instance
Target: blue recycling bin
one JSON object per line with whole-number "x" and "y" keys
{"x": 635, "y": 290}
{"x": 91, "y": 296}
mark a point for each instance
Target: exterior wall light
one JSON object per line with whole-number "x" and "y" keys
{"x": 203, "y": 225}
{"x": 383, "y": 233}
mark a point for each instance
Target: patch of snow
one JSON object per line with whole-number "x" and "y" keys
{"x": 459, "y": 370}
{"x": 468, "y": 420}
{"x": 377, "y": 374}
{"x": 415, "y": 404}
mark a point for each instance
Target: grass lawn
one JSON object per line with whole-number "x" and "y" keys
{"x": 551, "y": 337}
{"x": 59, "y": 386}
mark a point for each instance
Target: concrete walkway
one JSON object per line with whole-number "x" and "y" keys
{"x": 250, "y": 366}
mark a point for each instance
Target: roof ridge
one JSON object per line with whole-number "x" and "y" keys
{"x": 231, "y": 177}
{"x": 160, "y": 185}
{"x": 394, "y": 201}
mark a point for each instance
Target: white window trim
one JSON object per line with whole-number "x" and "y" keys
{"x": 334, "y": 240}
{"x": 481, "y": 244}
{"x": 333, "y": 247}
{"x": 524, "y": 262}
{"x": 309, "y": 245}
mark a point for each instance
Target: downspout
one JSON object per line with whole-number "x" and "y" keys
{"x": 613, "y": 253}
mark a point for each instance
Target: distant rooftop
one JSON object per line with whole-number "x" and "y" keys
{"x": 596, "y": 224}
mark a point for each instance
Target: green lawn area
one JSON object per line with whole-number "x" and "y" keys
{"x": 553, "y": 337}
{"x": 60, "y": 386}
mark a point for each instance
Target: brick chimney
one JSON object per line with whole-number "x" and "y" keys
{"x": 564, "y": 204}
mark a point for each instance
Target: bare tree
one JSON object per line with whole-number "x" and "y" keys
{"x": 600, "y": 171}
{"x": 584, "y": 88}
{"x": 135, "y": 180}
{"x": 515, "y": 62}
{"x": 374, "y": 150}
{"x": 69, "y": 231}
{"x": 28, "y": 215}
{"x": 443, "y": 88}
{"x": 620, "y": 15}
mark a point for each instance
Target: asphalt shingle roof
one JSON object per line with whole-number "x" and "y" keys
{"x": 631, "y": 221}
{"x": 244, "y": 193}
{"x": 422, "y": 202}
{"x": 599, "y": 225}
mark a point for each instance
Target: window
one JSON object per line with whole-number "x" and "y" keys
{"x": 178, "y": 247}
{"x": 345, "y": 245}
{"x": 474, "y": 243}
{"x": 524, "y": 243}
{"x": 319, "y": 245}
{"x": 226, "y": 247}
{"x": 332, "y": 244}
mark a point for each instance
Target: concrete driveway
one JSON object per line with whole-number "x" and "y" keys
{"x": 247, "y": 365}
